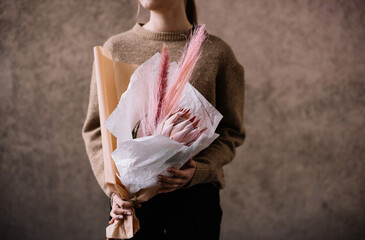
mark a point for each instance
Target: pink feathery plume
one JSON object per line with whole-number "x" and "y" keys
{"x": 158, "y": 92}
{"x": 185, "y": 68}
{"x": 162, "y": 83}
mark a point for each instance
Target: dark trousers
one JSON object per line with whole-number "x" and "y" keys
{"x": 192, "y": 213}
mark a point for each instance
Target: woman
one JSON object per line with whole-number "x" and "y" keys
{"x": 187, "y": 206}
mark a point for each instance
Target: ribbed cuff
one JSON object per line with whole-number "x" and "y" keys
{"x": 203, "y": 174}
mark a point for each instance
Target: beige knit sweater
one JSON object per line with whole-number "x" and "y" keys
{"x": 218, "y": 76}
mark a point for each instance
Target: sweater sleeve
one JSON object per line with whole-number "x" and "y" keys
{"x": 230, "y": 86}
{"x": 91, "y": 133}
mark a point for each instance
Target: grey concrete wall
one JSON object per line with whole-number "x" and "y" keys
{"x": 299, "y": 174}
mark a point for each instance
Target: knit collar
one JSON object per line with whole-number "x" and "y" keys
{"x": 161, "y": 36}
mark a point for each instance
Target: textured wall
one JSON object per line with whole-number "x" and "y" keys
{"x": 300, "y": 172}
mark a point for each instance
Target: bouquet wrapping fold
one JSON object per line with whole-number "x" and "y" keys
{"x": 138, "y": 159}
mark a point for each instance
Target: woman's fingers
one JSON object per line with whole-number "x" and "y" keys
{"x": 122, "y": 203}
{"x": 171, "y": 183}
{"x": 176, "y": 172}
{"x": 127, "y": 205}
{"x": 181, "y": 177}
{"x": 119, "y": 214}
{"x": 170, "y": 180}
{"x": 121, "y": 211}
{"x": 166, "y": 190}
{"x": 115, "y": 216}
{"x": 168, "y": 183}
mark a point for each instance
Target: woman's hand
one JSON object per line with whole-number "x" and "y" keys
{"x": 179, "y": 179}
{"x": 121, "y": 208}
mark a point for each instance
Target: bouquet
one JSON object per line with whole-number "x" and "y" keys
{"x": 161, "y": 121}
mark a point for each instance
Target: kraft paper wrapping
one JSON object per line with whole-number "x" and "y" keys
{"x": 112, "y": 79}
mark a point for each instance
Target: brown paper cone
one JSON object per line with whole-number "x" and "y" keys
{"x": 112, "y": 78}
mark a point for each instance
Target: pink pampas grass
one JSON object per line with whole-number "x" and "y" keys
{"x": 164, "y": 99}
{"x": 158, "y": 92}
{"x": 185, "y": 67}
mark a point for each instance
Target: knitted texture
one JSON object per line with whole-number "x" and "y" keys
{"x": 218, "y": 76}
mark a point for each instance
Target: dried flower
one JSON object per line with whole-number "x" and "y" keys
{"x": 181, "y": 128}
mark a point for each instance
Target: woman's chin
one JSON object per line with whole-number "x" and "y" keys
{"x": 155, "y": 5}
